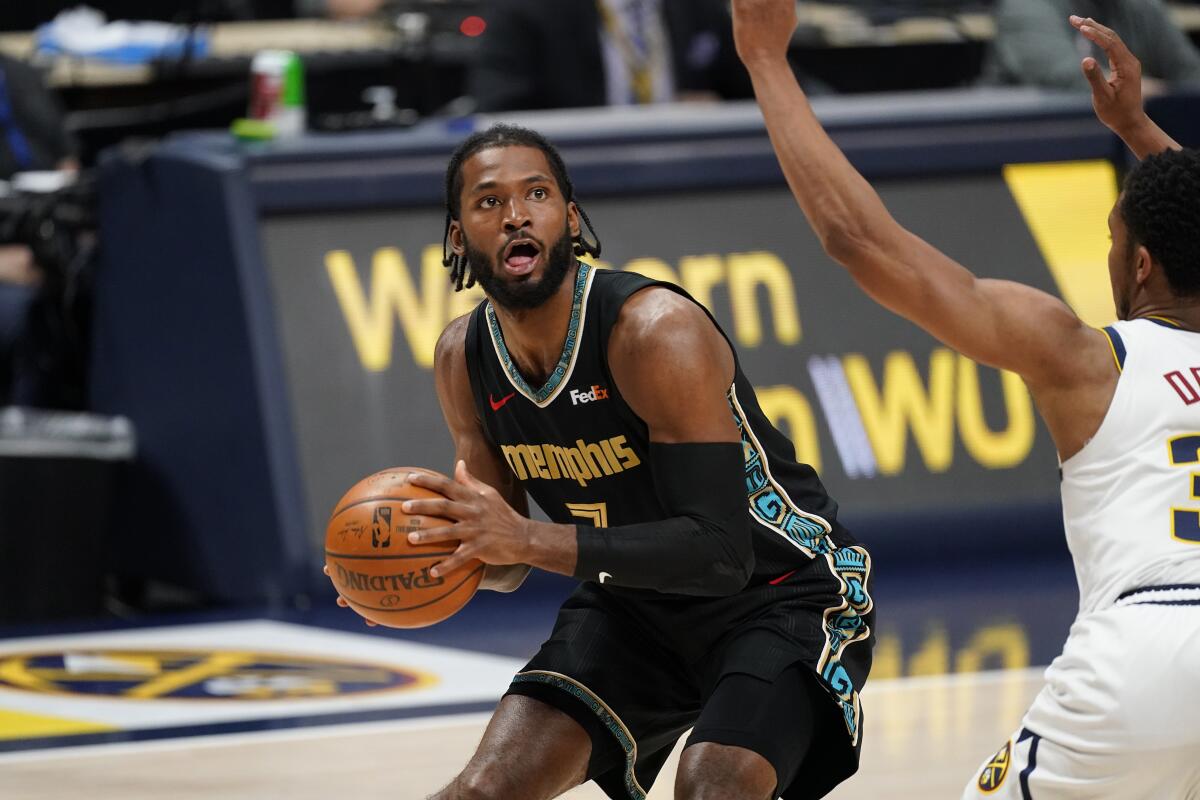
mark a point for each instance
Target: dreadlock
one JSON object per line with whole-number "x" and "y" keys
{"x": 504, "y": 136}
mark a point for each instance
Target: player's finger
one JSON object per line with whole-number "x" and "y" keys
{"x": 460, "y": 557}
{"x": 370, "y": 624}
{"x": 341, "y": 601}
{"x": 1107, "y": 39}
{"x": 440, "y": 484}
{"x": 447, "y": 509}
{"x": 1095, "y": 76}
{"x": 325, "y": 569}
{"x": 445, "y": 533}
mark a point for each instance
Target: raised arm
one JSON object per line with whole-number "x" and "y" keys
{"x": 999, "y": 323}
{"x": 1117, "y": 97}
{"x": 471, "y": 445}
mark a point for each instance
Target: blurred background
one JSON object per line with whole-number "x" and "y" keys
{"x": 221, "y": 279}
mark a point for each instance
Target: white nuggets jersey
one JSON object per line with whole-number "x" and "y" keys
{"x": 1131, "y": 496}
{"x": 1119, "y": 716}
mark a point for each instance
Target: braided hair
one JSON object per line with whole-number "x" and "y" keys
{"x": 1160, "y": 204}
{"x": 504, "y": 136}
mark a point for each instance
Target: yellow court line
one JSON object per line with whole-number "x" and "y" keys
{"x": 22, "y": 725}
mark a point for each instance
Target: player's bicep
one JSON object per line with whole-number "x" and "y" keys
{"x": 999, "y": 323}
{"x": 1012, "y": 326}
{"x": 674, "y": 368}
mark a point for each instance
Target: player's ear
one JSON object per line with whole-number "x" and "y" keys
{"x": 573, "y": 220}
{"x": 455, "y": 237}
{"x": 1143, "y": 264}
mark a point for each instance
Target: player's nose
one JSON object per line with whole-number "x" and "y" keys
{"x": 516, "y": 216}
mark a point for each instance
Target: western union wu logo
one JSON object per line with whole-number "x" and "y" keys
{"x": 582, "y": 463}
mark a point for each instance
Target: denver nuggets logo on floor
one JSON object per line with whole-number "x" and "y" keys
{"x": 228, "y": 677}
{"x": 993, "y": 775}
{"x": 199, "y": 674}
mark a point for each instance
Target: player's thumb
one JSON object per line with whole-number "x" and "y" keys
{"x": 1095, "y": 76}
{"x": 463, "y": 476}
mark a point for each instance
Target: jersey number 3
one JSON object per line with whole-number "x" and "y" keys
{"x": 1185, "y": 522}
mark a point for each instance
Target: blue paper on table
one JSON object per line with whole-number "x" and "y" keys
{"x": 84, "y": 32}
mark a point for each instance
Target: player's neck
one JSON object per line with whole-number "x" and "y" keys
{"x": 535, "y": 336}
{"x": 1183, "y": 312}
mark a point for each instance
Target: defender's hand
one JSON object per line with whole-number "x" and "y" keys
{"x": 487, "y": 526}
{"x": 762, "y": 29}
{"x": 1117, "y": 99}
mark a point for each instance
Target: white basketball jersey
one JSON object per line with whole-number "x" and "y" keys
{"x": 1131, "y": 496}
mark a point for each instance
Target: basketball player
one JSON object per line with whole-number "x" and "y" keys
{"x": 1119, "y": 716}
{"x": 718, "y": 589}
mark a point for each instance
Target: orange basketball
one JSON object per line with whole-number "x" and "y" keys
{"x": 373, "y": 566}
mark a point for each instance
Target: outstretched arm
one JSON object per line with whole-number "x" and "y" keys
{"x": 999, "y": 323}
{"x": 1117, "y": 97}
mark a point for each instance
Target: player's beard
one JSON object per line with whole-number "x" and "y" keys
{"x": 521, "y": 294}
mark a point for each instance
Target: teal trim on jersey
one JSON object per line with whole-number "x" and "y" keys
{"x": 846, "y": 624}
{"x": 610, "y": 720}
{"x": 565, "y": 360}
{"x": 769, "y": 503}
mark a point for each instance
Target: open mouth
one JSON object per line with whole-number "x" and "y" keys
{"x": 520, "y": 257}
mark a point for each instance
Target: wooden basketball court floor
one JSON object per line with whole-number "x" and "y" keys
{"x": 925, "y": 738}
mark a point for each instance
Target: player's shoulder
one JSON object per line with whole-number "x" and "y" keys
{"x": 452, "y": 344}
{"x": 657, "y": 310}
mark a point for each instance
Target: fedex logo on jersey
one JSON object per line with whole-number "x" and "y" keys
{"x": 590, "y": 396}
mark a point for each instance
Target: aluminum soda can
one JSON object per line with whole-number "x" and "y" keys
{"x": 277, "y": 91}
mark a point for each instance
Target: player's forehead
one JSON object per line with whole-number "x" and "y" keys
{"x": 505, "y": 165}
{"x": 1114, "y": 215}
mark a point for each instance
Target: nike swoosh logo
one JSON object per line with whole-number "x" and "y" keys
{"x": 603, "y": 576}
{"x": 499, "y": 404}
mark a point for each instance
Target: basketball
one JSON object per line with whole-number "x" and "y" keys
{"x": 374, "y": 567}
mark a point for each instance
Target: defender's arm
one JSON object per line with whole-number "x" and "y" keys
{"x": 999, "y": 323}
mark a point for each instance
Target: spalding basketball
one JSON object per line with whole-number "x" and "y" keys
{"x": 377, "y": 571}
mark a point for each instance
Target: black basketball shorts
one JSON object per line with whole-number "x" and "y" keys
{"x": 776, "y": 669}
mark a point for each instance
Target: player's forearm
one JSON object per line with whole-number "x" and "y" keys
{"x": 844, "y": 210}
{"x": 550, "y": 546}
{"x": 1144, "y": 138}
{"x": 679, "y": 555}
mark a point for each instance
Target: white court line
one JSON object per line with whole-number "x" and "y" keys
{"x": 247, "y": 737}
{"x": 448, "y": 721}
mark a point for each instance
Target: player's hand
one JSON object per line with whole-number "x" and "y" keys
{"x": 1116, "y": 98}
{"x": 486, "y": 526}
{"x": 762, "y": 29}
{"x": 341, "y": 601}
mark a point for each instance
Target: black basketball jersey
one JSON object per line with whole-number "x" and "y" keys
{"x": 581, "y": 452}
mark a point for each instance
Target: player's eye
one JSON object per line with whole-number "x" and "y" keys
{"x": 489, "y": 202}
{"x": 539, "y": 194}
